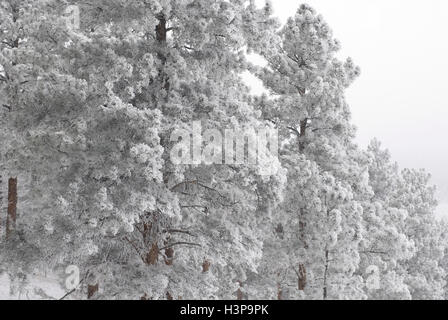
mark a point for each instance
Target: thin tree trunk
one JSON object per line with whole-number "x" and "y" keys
{"x": 239, "y": 293}
{"x": 303, "y": 127}
{"x": 161, "y": 36}
{"x": 302, "y": 229}
{"x": 169, "y": 256}
{"x": 301, "y": 274}
{"x": 325, "y": 290}
{"x": 302, "y": 277}
{"x": 1, "y": 196}
{"x": 12, "y": 206}
{"x": 279, "y": 292}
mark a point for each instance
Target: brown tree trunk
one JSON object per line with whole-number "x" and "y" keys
{"x": 161, "y": 36}
{"x": 153, "y": 255}
{"x": 145, "y": 297}
{"x": 1, "y": 195}
{"x": 302, "y": 277}
{"x": 169, "y": 256}
{"x": 12, "y": 206}
{"x": 206, "y": 266}
{"x": 301, "y": 274}
{"x": 302, "y": 230}
{"x": 303, "y": 127}
{"x": 161, "y": 29}
{"x": 169, "y": 253}
{"x": 325, "y": 290}
{"x": 92, "y": 290}
{"x": 239, "y": 293}
{"x": 279, "y": 292}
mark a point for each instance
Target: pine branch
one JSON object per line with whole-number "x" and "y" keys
{"x": 180, "y": 244}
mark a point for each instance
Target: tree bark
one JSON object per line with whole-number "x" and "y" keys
{"x": 169, "y": 252}
{"x": 161, "y": 29}
{"x": 303, "y": 127}
{"x": 161, "y": 36}
{"x": 169, "y": 256}
{"x": 1, "y": 195}
{"x": 301, "y": 274}
{"x": 206, "y": 266}
{"x": 12, "y": 206}
{"x": 302, "y": 229}
{"x": 92, "y": 290}
{"x": 239, "y": 293}
{"x": 153, "y": 255}
{"x": 325, "y": 290}
{"x": 302, "y": 277}
{"x": 279, "y": 292}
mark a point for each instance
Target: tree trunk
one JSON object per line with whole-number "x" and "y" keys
{"x": 206, "y": 266}
{"x": 12, "y": 206}
{"x": 279, "y": 292}
{"x": 325, "y": 290}
{"x": 92, "y": 290}
{"x": 302, "y": 277}
{"x": 161, "y": 29}
{"x": 239, "y": 293}
{"x": 301, "y": 274}
{"x": 161, "y": 35}
{"x": 169, "y": 256}
{"x": 302, "y": 229}
{"x": 153, "y": 255}
{"x": 303, "y": 127}
{"x": 169, "y": 253}
{"x": 1, "y": 196}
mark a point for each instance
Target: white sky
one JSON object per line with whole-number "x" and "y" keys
{"x": 400, "y": 98}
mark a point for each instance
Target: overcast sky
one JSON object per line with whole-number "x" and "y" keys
{"x": 401, "y": 96}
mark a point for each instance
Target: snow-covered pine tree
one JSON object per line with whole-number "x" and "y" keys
{"x": 385, "y": 245}
{"x": 320, "y": 220}
{"x": 425, "y": 275}
{"x": 91, "y": 130}
{"x": 86, "y": 121}
{"x": 402, "y": 239}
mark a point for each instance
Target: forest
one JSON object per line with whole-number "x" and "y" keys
{"x": 90, "y": 94}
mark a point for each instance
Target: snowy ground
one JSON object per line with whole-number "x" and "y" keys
{"x": 39, "y": 288}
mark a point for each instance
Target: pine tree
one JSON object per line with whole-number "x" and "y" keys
{"x": 93, "y": 132}
{"x": 320, "y": 220}
{"x": 386, "y": 244}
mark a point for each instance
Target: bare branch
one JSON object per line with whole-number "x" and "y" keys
{"x": 180, "y": 244}
{"x": 183, "y": 183}
{"x": 373, "y": 252}
{"x": 180, "y": 231}
{"x": 136, "y": 249}
{"x": 80, "y": 282}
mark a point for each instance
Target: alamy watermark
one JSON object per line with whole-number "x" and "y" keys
{"x": 72, "y": 17}
{"x": 194, "y": 146}
{"x": 72, "y": 280}
{"x": 373, "y": 281}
